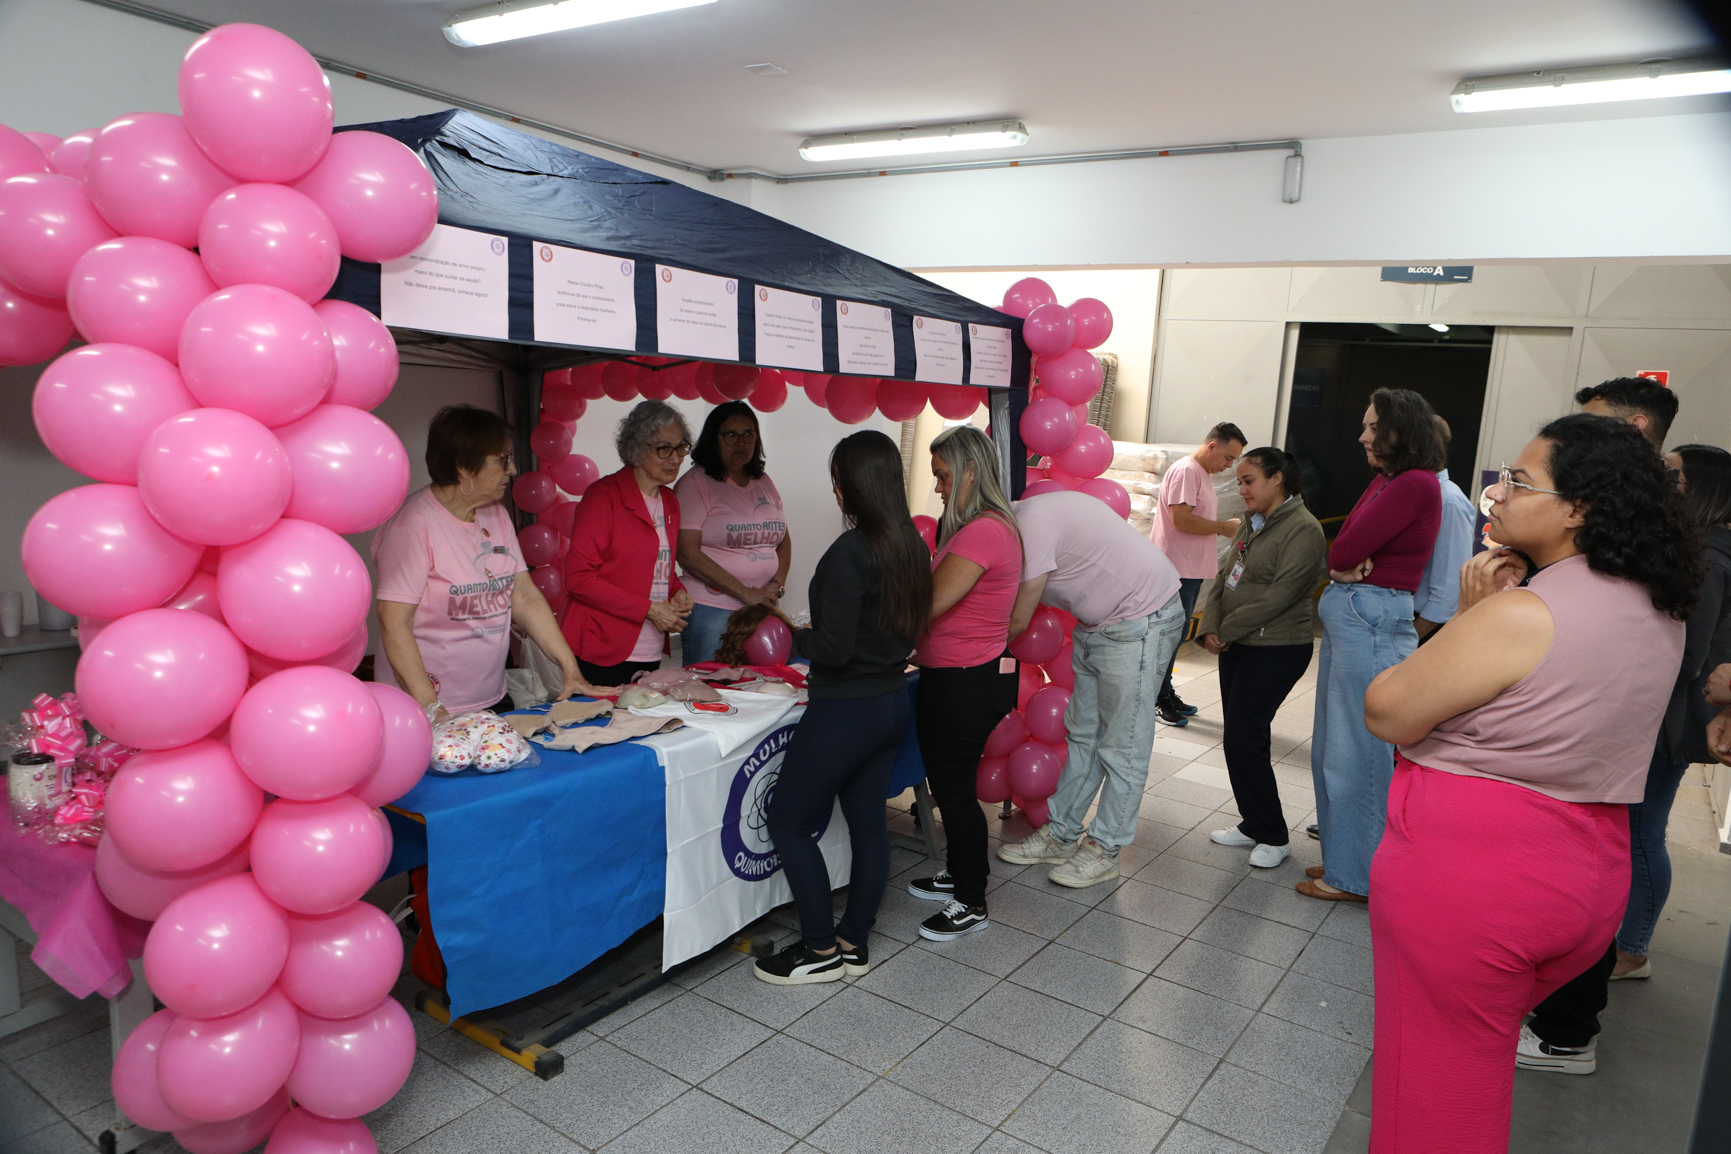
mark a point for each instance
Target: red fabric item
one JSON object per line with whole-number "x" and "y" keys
{"x": 82, "y": 942}
{"x": 611, "y": 565}
{"x": 426, "y": 962}
{"x": 793, "y": 675}
{"x": 1485, "y": 897}
{"x": 1394, "y": 524}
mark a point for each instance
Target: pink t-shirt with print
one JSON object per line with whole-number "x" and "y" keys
{"x": 1192, "y": 554}
{"x": 651, "y": 640}
{"x": 459, "y": 576}
{"x": 741, "y": 529}
{"x": 976, "y": 629}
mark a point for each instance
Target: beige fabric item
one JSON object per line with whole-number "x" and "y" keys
{"x": 623, "y": 727}
{"x": 528, "y": 724}
{"x": 571, "y": 712}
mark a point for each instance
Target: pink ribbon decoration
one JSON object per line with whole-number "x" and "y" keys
{"x": 59, "y": 725}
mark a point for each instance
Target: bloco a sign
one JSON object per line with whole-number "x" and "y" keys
{"x": 745, "y": 841}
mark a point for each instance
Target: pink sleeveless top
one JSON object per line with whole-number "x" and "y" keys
{"x": 1580, "y": 727}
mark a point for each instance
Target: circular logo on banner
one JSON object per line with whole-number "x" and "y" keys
{"x": 919, "y": 322}
{"x": 958, "y": 325}
{"x": 732, "y": 287}
{"x": 886, "y": 314}
{"x": 762, "y": 294}
{"x": 626, "y": 267}
{"x": 816, "y": 304}
{"x": 745, "y": 839}
{"x": 546, "y": 254}
{"x": 843, "y": 307}
{"x": 498, "y": 247}
{"x": 667, "y": 275}
{"x": 973, "y": 330}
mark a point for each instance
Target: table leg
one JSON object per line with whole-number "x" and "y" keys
{"x": 125, "y": 1013}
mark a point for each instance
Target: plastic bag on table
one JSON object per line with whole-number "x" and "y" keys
{"x": 483, "y": 741}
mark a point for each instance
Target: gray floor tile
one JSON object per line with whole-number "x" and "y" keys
{"x": 1187, "y": 1138}
{"x": 1341, "y": 963}
{"x": 690, "y": 1038}
{"x": 1303, "y": 853}
{"x": 738, "y": 988}
{"x": 928, "y": 982}
{"x": 1268, "y": 941}
{"x": 1130, "y": 859}
{"x": 1300, "y": 1058}
{"x": 433, "y": 1095}
{"x": 1349, "y": 922}
{"x": 22, "y": 1110}
{"x": 1157, "y": 836}
{"x": 92, "y": 1122}
{"x": 1037, "y": 911}
{"x": 60, "y": 1138}
{"x": 1278, "y": 903}
{"x": 494, "y": 1127}
{"x": 789, "y": 1084}
{"x": 1002, "y": 1143}
{"x": 1029, "y": 1023}
{"x": 494, "y": 1071}
{"x": 1067, "y": 1114}
{"x": 900, "y": 915}
{"x": 704, "y": 969}
{"x": 1168, "y": 811}
{"x": 1263, "y": 1113}
{"x": 996, "y": 950}
{"x": 1187, "y": 877}
{"x": 603, "y": 1092}
{"x": 648, "y": 1003}
{"x": 1245, "y": 981}
{"x": 1192, "y": 792}
{"x": 969, "y": 1074}
{"x": 864, "y": 1029}
{"x": 696, "y": 1121}
{"x": 1195, "y": 846}
{"x": 887, "y": 1119}
{"x": 1128, "y": 943}
{"x": 72, "y": 1076}
{"x": 1328, "y": 1009}
{"x": 1152, "y": 906}
{"x": 1155, "y": 1071}
{"x": 1198, "y": 1020}
{"x": 91, "y": 1015}
{"x": 1078, "y": 978}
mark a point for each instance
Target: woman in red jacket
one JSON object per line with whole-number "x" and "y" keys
{"x": 624, "y": 596}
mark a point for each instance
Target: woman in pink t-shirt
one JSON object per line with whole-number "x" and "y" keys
{"x": 967, "y": 679}
{"x": 733, "y": 542}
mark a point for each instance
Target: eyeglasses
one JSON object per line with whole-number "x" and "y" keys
{"x": 505, "y": 459}
{"x": 1506, "y": 481}
{"x": 735, "y": 436}
{"x": 683, "y": 449}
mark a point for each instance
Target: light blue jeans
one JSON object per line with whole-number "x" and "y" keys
{"x": 703, "y": 630}
{"x": 1365, "y": 629}
{"x": 1111, "y": 721}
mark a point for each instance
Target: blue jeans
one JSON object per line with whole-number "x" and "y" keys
{"x": 703, "y": 630}
{"x": 1111, "y": 724}
{"x": 1365, "y": 629}
{"x": 1649, "y": 862}
{"x": 1188, "y": 588}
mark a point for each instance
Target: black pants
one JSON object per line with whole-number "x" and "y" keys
{"x": 620, "y": 674}
{"x": 844, "y": 747}
{"x": 958, "y": 708}
{"x": 1254, "y": 680}
{"x": 503, "y": 705}
{"x": 1188, "y": 590}
{"x": 1570, "y": 1016}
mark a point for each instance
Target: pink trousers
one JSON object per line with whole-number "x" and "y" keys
{"x": 1485, "y": 897}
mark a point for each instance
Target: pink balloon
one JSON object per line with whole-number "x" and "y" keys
{"x": 1033, "y": 474}
{"x": 653, "y": 386}
{"x": 1045, "y": 715}
{"x": 1067, "y": 480}
{"x": 32, "y": 328}
{"x": 46, "y": 223}
{"x": 770, "y": 643}
{"x": 214, "y": 951}
{"x": 378, "y": 194}
{"x": 619, "y": 380}
{"x": 927, "y": 528}
{"x": 256, "y": 102}
{"x": 851, "y": 400}
{"x": 1046, "y": 486}
{"x": 1059, "y": 669}
{"x": 340, "y": 964}
{"x": 534, "y": 492}
{"x": 551, "y": 443}
{"x": 563, "y": 404}
{"x": 133, "y": 1079}
{"x": 147, "y": 178}
{"x": 350, "y": 470}
{"x": 344, "y": 658}
{"x": 1033, "y": 770}
{"x": 955, "y": 402}
{"x": 19, "y": 155}
{"x": 1026, "y": 295}
{"x": 992, "y": 781}
{"x": 1072, "y": 377}
{"x": 71, "y": 156}
{"x": 269, "y": 234}
{"x": 550, "y": 582}
{"x": 95, "y": 551}
{"x": 1029, "y": 681}
{"x": 771, "y": 392}
{"x": 137, "y": 290}
{"x": 225, "y": 1066}
{"x": 45, "y": 142}
{"x": 214, "y": 476}
{"x": 1047, "y": 425}
{"x": 295, "y": 593}
{"x": 1110, "y": 492}
{"x": 1093, "y": 322}
{"x": 175, "y": 810}
{"x": 88, "y": 628}
{"x": 575, "y": 474}
{"x": 258, "y": 350}
{"x": 145, "y": 893}
{"x": 682, "y": 378}
{"x": 366, "y": 355}
{"x": 901, "y": 400}
{"x": 1006, "y": 735}
{"x": 586, "y": 381}
{"x": 540, "y": 544}
{"x": 307, "y": 733}
{"x": 736, "y": 382}
{"x": 237, "y": 1135}
{"x": 405, "y": 751}
{"x": 1040, "y": 641}
{"x": 315, "y": 857}
{"x": 303, "y": 1132}
{"x": 1038, "y": 812}
{"x": 96, "y": 405}
{"x": 817, "y": 389}
{"x": 352, "y": 1066}
{"x": 1049, "y": 330}
{"x": 1089, "y": 455}
{"x": 562, "y": 518}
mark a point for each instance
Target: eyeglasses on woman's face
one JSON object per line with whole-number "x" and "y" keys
{"x": 1507, "y": 484}
{"x": 663, "y": 450}
{"x": 506, "y": 460}
{"x": 739, "y": 436}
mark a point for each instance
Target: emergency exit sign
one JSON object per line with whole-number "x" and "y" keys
{"x": 1428, "y": 273}
{"x": 1663, "y": 376}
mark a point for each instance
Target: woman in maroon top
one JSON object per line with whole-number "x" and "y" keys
{"x": 1376, "y": 563}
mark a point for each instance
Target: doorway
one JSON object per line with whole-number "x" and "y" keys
{"x": 1337, "y": 366}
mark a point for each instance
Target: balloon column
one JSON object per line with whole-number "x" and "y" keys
{"x": 221, "y": 409}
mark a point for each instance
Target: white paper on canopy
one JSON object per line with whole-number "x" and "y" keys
{"x": 696, "y": 315}
{"x": 723, "y": 871}
{"x": 865, "y": 341}
{"x": 584, "y": 298}
{"x": 937, "y": 351}
{"x": 736, "y": 717}
{"x": 989, "y": 360}
{"x": 456, "y": 281}
{"x": 789, "y": 329}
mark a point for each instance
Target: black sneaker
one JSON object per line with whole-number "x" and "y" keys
{"x": 953, "y": 921}
{"x": 938, "y": 889}
{"x": 1170, "y": 715}
{"x": 1314, "y": 832}
{"x": 798, "y": 966}
{"x": 855, "y": 960}
{"x": 1178, "y": 705}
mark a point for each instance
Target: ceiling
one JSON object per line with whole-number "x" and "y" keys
{"x": 1090, "y": 75}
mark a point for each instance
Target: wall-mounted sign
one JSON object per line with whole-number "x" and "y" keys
{"x": 454, "y": 282}
{"x": 1428, "y": 273}
{"x": 584, "y": 298}
{"x": 696, "y": 315}
{"x": 1663, "y": 376}
{"x": 789, "y": 329}
{"x": 938, "y": 351}
{"x": 865, "y": 343}
{"x": 990, "y": 363}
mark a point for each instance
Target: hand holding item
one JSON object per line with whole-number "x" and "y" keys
{"x": 1212, "y": 643}
{"x": 1719, "y": 686}
{"x": 1354, "y": 575}
{"x": 1719, "y": 736}
{"x": 1491, "y": 571}
{"x": 1233, "y": 524}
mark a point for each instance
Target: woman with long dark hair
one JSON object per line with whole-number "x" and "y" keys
{"x": 870, "y": 598}
{"x": 1525, "y": 730}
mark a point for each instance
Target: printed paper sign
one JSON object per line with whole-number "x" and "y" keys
{"x": 938, "y": 351}
{"x": 864, "y": 340}
{"x": 696, "y": 315}
{"x": 454, "y": 282}
{"x": 990, "y": 360}
{"x": 584, "y": 298}
{"x": 789, "y": 329}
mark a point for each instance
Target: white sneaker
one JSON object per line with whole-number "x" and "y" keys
{"x": 1231, "y": 836}
{"x": 1534, "y": 1053}
{"x": 1039, "y": 846}
{"x": 1088, "y": 866}
{"x": 1266, "y": 857}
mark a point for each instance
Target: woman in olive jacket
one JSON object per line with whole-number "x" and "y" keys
{"x": 1260, "y": 620}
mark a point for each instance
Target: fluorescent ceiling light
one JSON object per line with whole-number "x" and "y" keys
{"x": 1440, "y": 328}
{"x": 906, "y": 141}
{"x": 514, "y": 20}
{"x": 1557, "y": 87}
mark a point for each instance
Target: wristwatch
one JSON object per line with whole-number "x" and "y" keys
{"x": 780, "y": 591}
